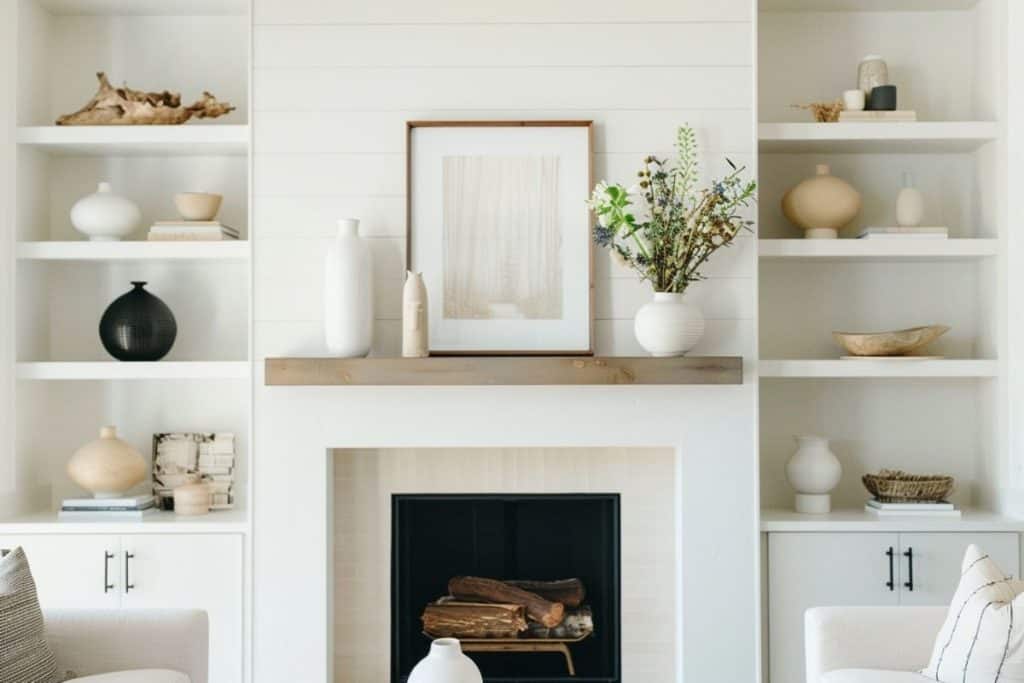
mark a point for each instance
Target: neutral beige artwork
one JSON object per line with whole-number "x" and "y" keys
{"x": 502, "y": 240}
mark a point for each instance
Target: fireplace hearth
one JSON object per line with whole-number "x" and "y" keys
{"x": 531, "y": 582}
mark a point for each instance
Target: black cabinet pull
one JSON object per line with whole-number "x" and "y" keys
{"x": 107, "y": 557}
{"x": 891, "y": 583}
{"x": 128, "y": 585}
{"x": 909, "y": 584}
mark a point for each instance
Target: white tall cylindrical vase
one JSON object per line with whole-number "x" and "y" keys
{"x": 445, "y": 664}
{"x": 668, "y": 325}
{"x": 415, "y": 337}
{"x": 348, "y": 293}
{"x": 813, "y": 472}
{"x": 909, "y": 204}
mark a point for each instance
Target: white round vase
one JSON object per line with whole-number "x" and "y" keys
{"x": 105, "y": 216}
{"x": 813, "y": 472}
{"x": 668, "y": 326}
{"x": 445, "y": 664}
{"x": 348, "y": 293}
{"x": 108, "y": 466}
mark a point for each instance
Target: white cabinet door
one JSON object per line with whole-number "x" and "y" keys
{"x": 936, "y": 559}
{"x": 72, "y": 570}
{"x": 822, "y": 569}
{"x": 202, "y": 571}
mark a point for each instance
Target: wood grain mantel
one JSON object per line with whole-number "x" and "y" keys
{"x": 503, "y": 370}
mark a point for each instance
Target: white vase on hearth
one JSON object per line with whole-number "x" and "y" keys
{"x": 445, "y": 664}
{"x": 348, "y": 293}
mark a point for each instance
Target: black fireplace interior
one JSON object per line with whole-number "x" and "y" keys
{"x": 537, "y": 537}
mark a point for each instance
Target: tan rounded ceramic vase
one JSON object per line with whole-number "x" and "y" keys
{"x": 821, "y": 205}
{"x": 107, "y": 467}
{"x": 192, "y": 499}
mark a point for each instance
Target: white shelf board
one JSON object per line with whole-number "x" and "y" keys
{"x": 859, "y": 521}
{"x": 216, "y": 522}
{"x": 184, "y": 140}
{"x": 146, "y": 7}
{"x": 134, "y": 251}
{"x": 908, "y": 367}
{"x": 864, "y": 5}
{"x": 877, "y": 137}
{"x": 888, "y": 248}
{"x": 118, "y": 370}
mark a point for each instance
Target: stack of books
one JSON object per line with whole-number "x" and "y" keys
{"x": 922, "y": 509}
{"x": 217, "y": 469}
{"x": 134, "y": 507}
{"x": 936, "y": 232}
{"x": 881, "y": 116}
{"x": 199, "y": 231}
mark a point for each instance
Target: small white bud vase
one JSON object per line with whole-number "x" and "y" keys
{"x": 445, "y": 664}
{"x": 107, "y": 467}
{"x": 813, "y": 472}
{"x": 414, "y": 317}
{"x": 909, "y": 204}
{"x": 668, "y": 325}
{"x": 348, "y": 293}
{"x": 105, "y": 216}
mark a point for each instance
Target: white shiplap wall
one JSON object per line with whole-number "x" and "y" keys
{"x": 334, "y": 83}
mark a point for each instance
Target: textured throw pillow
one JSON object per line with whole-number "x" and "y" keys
{"x": 24, "y": 655}
{"x": 982, "y": 639}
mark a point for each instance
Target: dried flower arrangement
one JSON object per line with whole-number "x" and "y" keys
{"x": 681, "y": 226}
{"x": 824, "y": 112}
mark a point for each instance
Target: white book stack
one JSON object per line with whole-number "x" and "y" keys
{"x": 932, "y": 232}
{"x": 134, "y": 507}
{"x": 217, "y": 468}
{"x": 196, "y": 231}
{"x": 928, "y": 509}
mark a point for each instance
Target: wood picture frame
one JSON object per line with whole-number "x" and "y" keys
{"x": 582, "y": 344}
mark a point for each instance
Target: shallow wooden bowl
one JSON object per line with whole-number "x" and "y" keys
{"x": 896, "y": 343}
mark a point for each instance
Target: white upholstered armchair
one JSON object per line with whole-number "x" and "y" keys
{"x": 870, "y": 644}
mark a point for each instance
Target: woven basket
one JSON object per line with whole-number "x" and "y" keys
{"x": 896, "y": 486}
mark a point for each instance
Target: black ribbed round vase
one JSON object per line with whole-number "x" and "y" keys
{"x": 138, "y": 326}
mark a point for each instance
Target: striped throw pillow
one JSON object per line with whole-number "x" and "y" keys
{"x": 982, "y": 639}
{"x": 24, "y": 655}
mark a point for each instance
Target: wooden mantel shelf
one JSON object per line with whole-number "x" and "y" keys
{"x": 503, "y": 370}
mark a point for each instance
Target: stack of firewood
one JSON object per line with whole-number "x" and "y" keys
{"x": 487, "y": 608}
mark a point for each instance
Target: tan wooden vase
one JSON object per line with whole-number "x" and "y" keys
{"x": 108, "y": 466}
{"x": 821, "y": 205}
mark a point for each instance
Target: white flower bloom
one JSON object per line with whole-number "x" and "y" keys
{"x": 603, "y": 220}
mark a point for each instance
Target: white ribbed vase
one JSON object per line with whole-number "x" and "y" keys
{"x": 445, "y": 664}
{"x": 668, "y": 325}
{"x": 348, "y": 293}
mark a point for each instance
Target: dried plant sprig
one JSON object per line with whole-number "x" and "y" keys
{"x": 824, "y": 112}
{"x": 680, "y": 226}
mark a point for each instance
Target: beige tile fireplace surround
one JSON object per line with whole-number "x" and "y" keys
{"x": 646, "y": 479}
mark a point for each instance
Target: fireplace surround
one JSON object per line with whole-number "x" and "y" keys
{"x": 540, "y": 537}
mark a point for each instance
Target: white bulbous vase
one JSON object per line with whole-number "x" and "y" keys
{"x": 813, "y": 471}
{"x": 105, "y": 216}
{"x": 445, "y": 664}
{"x": 348, "y": 293}
{"x": 668, "y": 325}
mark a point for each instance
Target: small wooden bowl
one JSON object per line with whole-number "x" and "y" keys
{"x": 896, "y": 343}
{"x": 197, "y": 206}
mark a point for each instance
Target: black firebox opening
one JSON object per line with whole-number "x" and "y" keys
{"x": 506, "y": 537}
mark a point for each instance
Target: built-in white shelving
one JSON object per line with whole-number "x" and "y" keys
{"x": 133, "y": 251}
{"x": 146, "y": 7}
{"x": 219, "y": 521}
{"x": 854, "y": 520}
{"x": 877, "y": 137}
{"x": 889, "y": 248}
{"x": 881, "y": 368}
{"x": 184, "y": 140}
{"x": 865, "y": 5}
{"x": 118, "y": 370}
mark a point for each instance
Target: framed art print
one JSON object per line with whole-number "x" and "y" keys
{"x": 499, "y": 227}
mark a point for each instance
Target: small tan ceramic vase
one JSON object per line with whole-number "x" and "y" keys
{"x": 107, "y": 467}
{"x": 192, "y": 499}
{"x": 821, "y": 205}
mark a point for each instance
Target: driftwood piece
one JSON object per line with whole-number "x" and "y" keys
{"x": 577, "y": 624}
{"x": 452, "y": 619}
{"x": 569, "y": 592}
{"x": 112, "y": 106}
{"x": 475, "y": 588}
